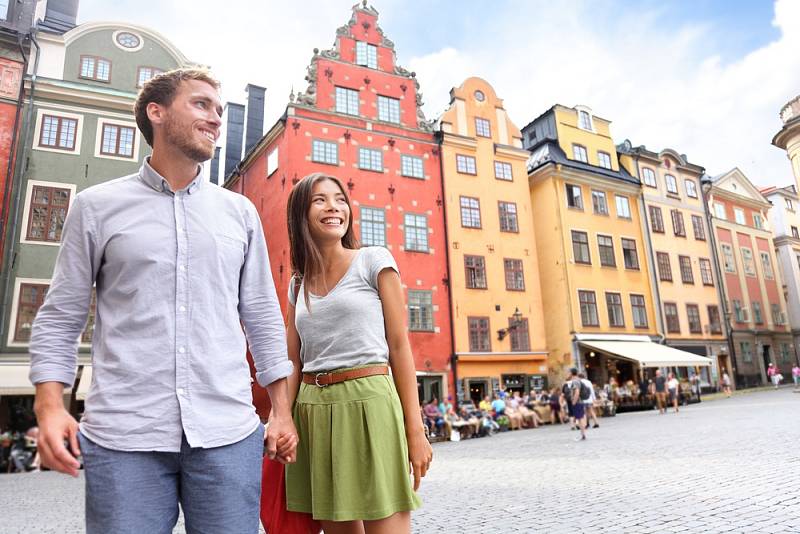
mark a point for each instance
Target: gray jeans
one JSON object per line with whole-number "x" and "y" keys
{"x": 219, "y": 489}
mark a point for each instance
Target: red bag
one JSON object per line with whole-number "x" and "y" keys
{"x": 274, "y": 515}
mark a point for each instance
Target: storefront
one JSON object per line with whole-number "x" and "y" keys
{"x": 431, "y": 385}
{"x": 16, "y": 398}
{"x": 482, "y": 375}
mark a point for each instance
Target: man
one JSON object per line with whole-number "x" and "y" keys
{"x": 566, "y": 390}
{"x": 578, "y": 409}
{"x": 434, "y": 417}
{"x": 588, "y": 403}
{"x": 660, "y": 388}
{"x": 179, "y": 265}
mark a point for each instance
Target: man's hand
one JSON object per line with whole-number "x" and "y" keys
{"x": 56, "y": 425}
{"x": 420, "y": 454}
{"x": 281, "y": 438}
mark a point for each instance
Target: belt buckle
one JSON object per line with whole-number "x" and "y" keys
{"x": 316, "y": 380}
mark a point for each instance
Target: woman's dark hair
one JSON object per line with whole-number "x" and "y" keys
{"x": 305, "y": 255}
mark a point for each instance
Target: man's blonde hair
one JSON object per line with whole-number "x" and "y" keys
{"x": 162, "y": 89}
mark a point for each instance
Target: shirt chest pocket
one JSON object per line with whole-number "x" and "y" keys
{"x": 230, "y": 251}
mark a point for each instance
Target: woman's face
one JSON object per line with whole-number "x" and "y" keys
{"x": 328, "y": 214}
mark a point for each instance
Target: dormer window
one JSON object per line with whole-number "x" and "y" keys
{"x": 585, "y": 119}
{"x": 366, "y": 54}
{"x": 95, "y": 68}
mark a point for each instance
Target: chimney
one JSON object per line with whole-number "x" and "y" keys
{"x": 234, "y": 134}
{"x": 254, "y": 116}
{"x": 214, "y": 169}
{"x": 60, "y": 15}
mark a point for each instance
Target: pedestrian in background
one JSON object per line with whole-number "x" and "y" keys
{"x": 726, "y": 384}
{"x": 578, "y": 412}
{"x": 796, "y": 376}
{"x": 660, "y": 391}
{"x": 589, "y": 403}
{"x": 674, "y": 388}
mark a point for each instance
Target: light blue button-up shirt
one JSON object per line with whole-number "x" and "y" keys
{"x": 177, "y": 276}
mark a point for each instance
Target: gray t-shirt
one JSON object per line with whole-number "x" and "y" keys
{"x": 345, "y": 327}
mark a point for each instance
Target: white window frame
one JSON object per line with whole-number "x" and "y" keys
{"x": 412, "y": 166}
{"x": 649, "y": 177}
{"x": 26, "y": 213}
{"x": 37, "y": 132}
{"x": 12, "y": 321}
{"x": 604, "y": 159}
{"x": 370, "y": 159}
{"x": 748, "y": 252}
{"x": 372, "y": 224}
{"x": 387, "y": 108}
{"x": 766, "y": 266}
{"x": 579, "y": 153}
{"x": 349, "y": 103}
{"x": 98, "y": 142}
{"x": 602, "y": 203}
{"x": 691, "y": 187}
{"x": 625, "y": 212}
{"x": 727, "y": 249}
{"x": 738, "y": 216}
{"x": 370, "y": 54}
{"x": 719, "y": 211}
{"x": 667, "y": 182}
{"x": 272, "y": 161}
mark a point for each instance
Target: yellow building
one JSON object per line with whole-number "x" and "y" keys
{"x": 593, "y": 266}
{"x": 686, "y": 275}
{"x": 498, "y": 324}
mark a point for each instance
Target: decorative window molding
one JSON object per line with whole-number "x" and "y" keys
{"x": 24, "y": 233}
{"x": 120, "y": 134}
{"x": 76, "y": 137}
{"x": 127, "y": 40}
{"x": 95, "y": 68}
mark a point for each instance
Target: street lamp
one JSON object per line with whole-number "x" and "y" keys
{"x": 515, "y": 323}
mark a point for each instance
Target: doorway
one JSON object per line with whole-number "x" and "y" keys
{"x": 478, "y": 389}
{"x": 767, "y": 361}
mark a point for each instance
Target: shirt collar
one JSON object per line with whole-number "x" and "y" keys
{"x": 155, "y": 181}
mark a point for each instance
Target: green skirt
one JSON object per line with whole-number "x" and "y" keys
{"x": 352, "y": 459}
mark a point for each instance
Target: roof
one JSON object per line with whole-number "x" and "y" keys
{"x": 550, "y": 152}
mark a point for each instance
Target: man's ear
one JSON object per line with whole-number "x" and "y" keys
{"x": 155, "y": 112}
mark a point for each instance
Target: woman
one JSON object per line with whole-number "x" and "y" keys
{"x": 358, "y": 427}
{"x": 726, "y": 384}
{"x": 673, "y": 387}
{"x": 556, "y": 413}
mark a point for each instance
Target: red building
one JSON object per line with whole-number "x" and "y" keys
{"x": 360, "y": 119}
{"x": 11, "y": 67}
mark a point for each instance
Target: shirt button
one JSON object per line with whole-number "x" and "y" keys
{"x": 180, "y": 391}
{"x": 181, "y": 350}
{"x": 182, "y": 308}
{"x": 182, "y": 267}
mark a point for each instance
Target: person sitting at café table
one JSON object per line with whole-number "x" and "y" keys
{"x": 470, "y": 418}
{"x": 499, "y": 405}
{"x": 486, "y": 404}
{"x": 434, "y": 417}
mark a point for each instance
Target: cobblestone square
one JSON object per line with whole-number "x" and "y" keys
{"x": 727, "y": 465}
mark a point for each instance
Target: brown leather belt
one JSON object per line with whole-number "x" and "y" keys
{"x": 334, "y": 377}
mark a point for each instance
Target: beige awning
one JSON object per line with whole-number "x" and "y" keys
{"x": 14, "y": 380}
{"x": 648, "y": 354}
{"x": 86, "y": 382}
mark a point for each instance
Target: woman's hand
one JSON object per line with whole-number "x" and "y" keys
{"x": 420, "y": 455}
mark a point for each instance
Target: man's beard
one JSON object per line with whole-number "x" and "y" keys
{"x": 181, "y": 137}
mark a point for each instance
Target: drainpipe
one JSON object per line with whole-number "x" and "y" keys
{"x": 726, "y": 317}
{"x": 653, "y": 275}
{"x": 13, "y": 146}
{"x": 14, "y": 201}
{"x": 453, "y": 357}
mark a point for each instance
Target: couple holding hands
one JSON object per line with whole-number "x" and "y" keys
{"x": 183, "y": 287}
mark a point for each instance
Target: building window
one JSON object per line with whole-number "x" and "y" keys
{"x": 48, "y": 210}
{"x": 483, "y": 128}
{"x": 388, "y": 109}
{"x": 515, "y": 278}
{"x": 614, "y": 306}
{"x": 795, "y": 232}
{"x": 470, "y": 212}
{"x": 373, "y": 227}
{"x": 639, "y": 311}
{"x": 705, "y": 272}
{"x": 789, "y": 204}
{"x": 479, "y": 339}
{"x": 465, "y": 164}
{"x": 693, "y": 314}
{"x": 579, "y": 153}
{"x": 346, "y": 101}
{"x": 411, "y": 166}
{"x": 420, "y": 310}
{"x": 117, "y": 141}
{"x": 672, "y": 184}
{"x": 146, "y": 73}
{"x": 502, "y": 171}
{"x": 508, "y": 216}
{"x": 370, "y": 159}
{"x": 664, "y": 267}
{"x": 475, "y": 269}
{"x": 777, "y": 315}
{"x": 58, "y": 132}
{"x": 584, "y": 120}
{"x": 580, "y": 247}
{"x": 671, "y": 316}
{"x": 649, "y": 177}
{"x": 31, "y": 298}
{"x": 95, "y": 68}
{"x": 519, "y": 335}
{"x": 623, "y": 207}
{"x": 415, "y": 228}
{"x": 324, "y": 152}
{"x": 748, "y": 264}
{"x": 574, "y": 198}
{"x": 785, "y": 353}
{"x": 88, "y": 332}
{"x": 687, "y": 275}
{"x": 739, "y": 312}
{"x": 128, "y": 40}
{"x": 747, "y": 354}
{"x": 605, "y": 245}
{"x": 629, "y": 254}
{"x": 758, "y": 221}
{"x": 599, "y": 203}
{"x": 719, "y": 211}
{"x": 366, "y": 54}
{"x": 588, "y": 306}
{"x": 656, "y": 221}
{"x": 728, "y": 261}
{"x": 678, "y": 227}
{"x": 699, "y": 229}
{"x": 766, "y": 265}
{"x": 714, "y": 320}
{"x": 691, "y": 188}
{"x": 738, "y": 215}
{"x": 757, "y": 317}
{"x": 604, "y": 158}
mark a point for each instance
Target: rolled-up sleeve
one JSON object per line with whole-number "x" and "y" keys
{"x": 259, "y": 309}
{"x": 62, "y": 317}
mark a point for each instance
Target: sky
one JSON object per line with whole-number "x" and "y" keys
{"x": 704, "y": 77}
